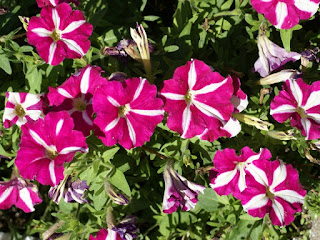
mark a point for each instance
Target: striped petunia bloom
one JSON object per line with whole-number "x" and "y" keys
{"x": 273, "y": 187}
{"x": 75, "y": 96}
{"x": 22, "y": 107}
{"x": 286, "y": 14}
{"x": 196, "y": 99}
{"x": 127, "y": 112}
{"x": 19, "y": 193}
{"x": 46, "y": 144}
{"x": 105, "y": 234}
{"x": 231, "y": 178}
{"x": 53, "y": 3}
{"x": 59, "y": 33}
{"x": 300, "y": 103}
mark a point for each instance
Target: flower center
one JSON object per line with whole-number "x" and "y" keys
{"x": 301, "y": 112}
{"x": 123, "y": 110}
{"x": 51, "y": 154}
{"x": 79, "y": 104}
{"x": 55, "y": 35}
{"x": 269, "y": 194}
{"x": 19, "y": 111}
{"x": 188, "y": 97}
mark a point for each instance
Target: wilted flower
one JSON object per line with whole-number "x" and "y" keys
{"x": 117, "y": 76}
{"x": 289, "y": 135}
{"x": 271, "y": 56}
{"x": 127, "y": 112}
{"x": 299, "y": 102}
{"x": 105, "y": 234}
{"x": 75, "y": 96}
{"x": 281, "y": 76}
{"x": 285, "y": 14}
{"x": 59, "y": 33}
{"x": 19, "y": 193}
{"x": 127, "y": 229}
{"x": 311, "y": 54}
{"x": 231, "y": 178}
{"x": 253, "y": 121}
{"x": 178, "y": 191}
{"x": 197, "y": 99}
{"x": 70, "y": 191}
{"x": 54, "y": 3}
{"x": 274, "y": 188}
{"x": 22, "y": 107}
{"x": 115, "y": 195}
{"x": 46, "y": 144}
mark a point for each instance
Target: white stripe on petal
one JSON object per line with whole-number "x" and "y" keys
{"x": 86, "y": 118}
{"x": 290, "y": 196}
{"x": 113, "y": 101}
{"x": 257, "y": 201}
{"x": 72, "y": 45}
{"x": 186, "y": 119}
{"x": 242, "y": 178}
{"x": 52, "y": 173}
{"x": 25, "y": 196}
{"x": 306, "y": 6}
{"x": 296, "y": 91}
{"x": 42, "y": 32}
{"x": 71, "y": 149}
{"x": 139, "y": 89}
{"x": 279, "y": 175}
{"x": 56, "y": 18}
{"x": 38, "y": 139}
{"x": 281, "y": 13}
{"x": 53, "y": 2}
{"x": 313, "y": 100}
{"x": 173, "y": 96}
{"x": 278, "y": 208}
{"x": 64, "y": 93}
{"x": 31, "y": 99}
{"x": 192, "y": 75}
{"x": 306, "y": 126}
{"x": 52, "y": 50}
{"x": 208, "y": 110}
{"x": 254, "y": 157}
{"x": 132, "y": 133}
{"x": 59, "y": 126}
{"x": 73, "y": 26}
{"x": 285, "y": 108}
{"x": 6, "y": 194}
{"x": 224, "y": 179}
{"x": 111, "y": 125}
{"x": 258, "y": 174}
{"x": 210, "y": 88}
{"x": 84, "y": 84}
{"x": 147, "y": 112}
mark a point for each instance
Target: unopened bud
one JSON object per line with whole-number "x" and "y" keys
{"x": 253, "y": 121}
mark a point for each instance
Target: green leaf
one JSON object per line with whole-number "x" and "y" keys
{"x": 208, "y": 201}
{"x": 4, "y": 153}
{"x": 151, "y": 18}
{"x": 171, "y": 48}
{"x": 286, "y": 35}
{"x": 5, "y": 64}
{"x": 119, "y": 181}
{"x": 34, "y": 78}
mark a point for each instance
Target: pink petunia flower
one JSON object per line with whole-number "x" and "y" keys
{"x": 232, "y": 127}
{"x": 53, "y": 3}
{"x": 286, "y": 14}
{"x": 271, "y": 56}
{"x": 196, "y": 99}
{"x": 46, "y": 144}
{"x": 22, "y": 107}
{"x": 75, "y": 96}
{"x": 178, "y": 191}
{"x": 231, "y": 178}
{"x": 59, "y": 33}
{"x": 300, "y": 103}
{"x": 19, "y": 193}
{"x": 105, "y": 234}
{"x": 273, "y": 187}
{"x": 127, "y": 112}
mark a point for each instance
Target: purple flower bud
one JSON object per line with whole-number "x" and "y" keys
{"x": 115, "y": 195}
{"x": 311, "y": 54}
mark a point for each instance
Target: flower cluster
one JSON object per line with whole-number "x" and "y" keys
{"x": 263, "y": 186}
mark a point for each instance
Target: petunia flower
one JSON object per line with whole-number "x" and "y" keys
{"x": 285, "y": 14}
{"x": 53, "y": 3}
{"x": 232, "y": 127}
{"x": 46, "y": 144}
{"x": 75, "y": 96}
{"x": 271, "y": 56}
{"x": 22, "y": 107}
{"x": 197, "y": 99}
{"x": 231, "y": 178}
{"x": 178, "y": 191}
{"x": 273, "y": 187}
{"x": 19, "y": 193}
{"x": 70, "y": 191}
{"x": 127, "y": 229}
{"x": 281, "y": 76}
{"x": 59, "y": 33}
{"x": 300, "y": 103}
{"x": 127, "y": 112}
{"x": 105, "y": 234}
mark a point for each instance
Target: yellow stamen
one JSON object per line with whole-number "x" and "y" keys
{"x": 55, "y": 35}
{"x": 19, "y": 111}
